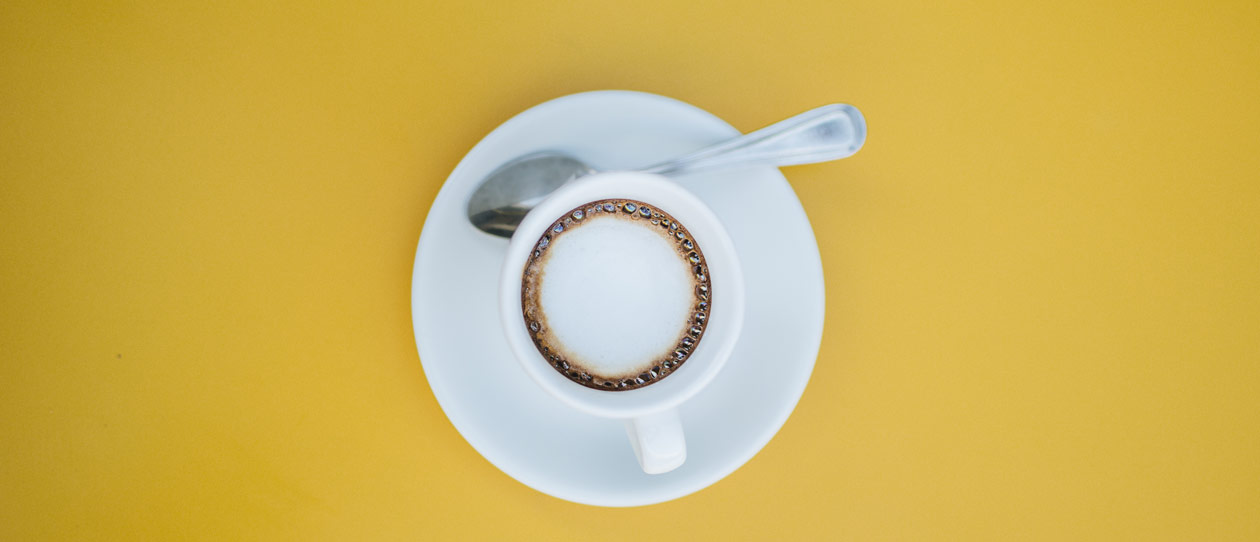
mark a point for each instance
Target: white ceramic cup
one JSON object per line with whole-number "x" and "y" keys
{"x": 650, "y": 412}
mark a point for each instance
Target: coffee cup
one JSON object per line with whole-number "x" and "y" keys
{"x": 622, "y": 297}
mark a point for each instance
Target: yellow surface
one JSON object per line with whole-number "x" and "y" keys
{"x": 1043, "y": 271}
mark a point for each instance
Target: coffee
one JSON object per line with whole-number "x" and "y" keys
{"x": 616, "y": 294}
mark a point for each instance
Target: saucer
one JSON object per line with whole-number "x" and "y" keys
{"x": 532, "y": 436}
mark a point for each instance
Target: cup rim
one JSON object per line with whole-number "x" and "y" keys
{"x": 721, "y": 333}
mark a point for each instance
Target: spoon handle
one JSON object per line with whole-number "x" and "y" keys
{"x": 830, "y": 132}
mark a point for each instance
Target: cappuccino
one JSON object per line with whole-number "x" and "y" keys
{"x": 616, "y": 294}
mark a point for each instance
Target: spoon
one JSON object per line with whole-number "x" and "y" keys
{"x": 830, "y": 132}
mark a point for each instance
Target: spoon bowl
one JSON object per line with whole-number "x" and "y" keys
{"x": 511, "y": 190}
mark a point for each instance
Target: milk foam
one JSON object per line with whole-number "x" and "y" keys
{"x": 616, "y": 293}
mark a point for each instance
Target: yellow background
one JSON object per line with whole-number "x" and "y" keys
{"x": 1043, "y": 271}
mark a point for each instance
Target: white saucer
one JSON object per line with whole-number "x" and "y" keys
{"x": 533, "y": 437}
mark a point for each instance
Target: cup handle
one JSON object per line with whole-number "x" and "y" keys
{"x": 658, "y": 441}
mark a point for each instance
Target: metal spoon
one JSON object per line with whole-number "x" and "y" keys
{"x": 830, "y": 132}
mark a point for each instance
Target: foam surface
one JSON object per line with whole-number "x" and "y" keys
{"x": 616, "y": 293}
